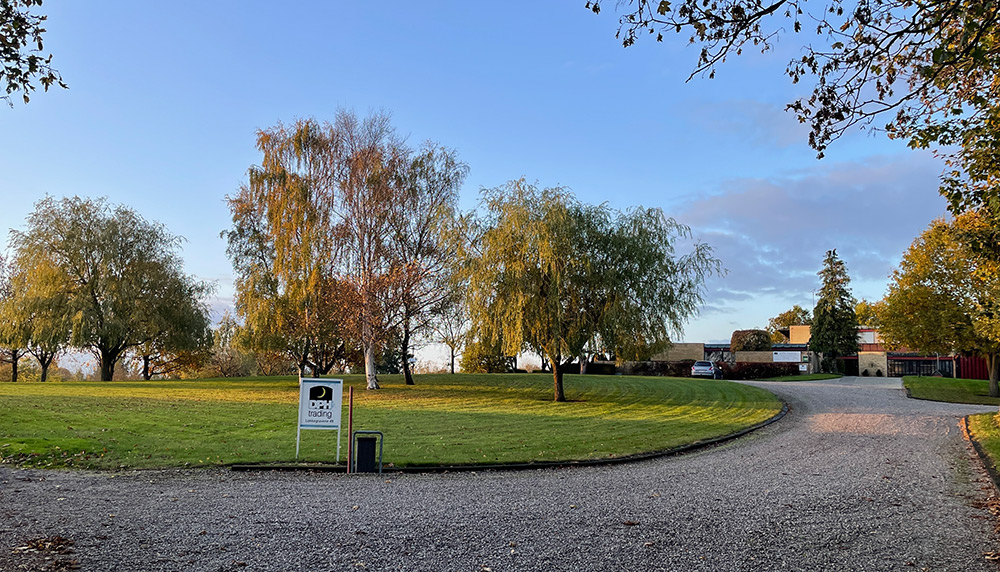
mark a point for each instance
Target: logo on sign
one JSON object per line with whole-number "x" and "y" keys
{"x": 321, "y": 397}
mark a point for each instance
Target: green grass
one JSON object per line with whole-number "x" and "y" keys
{"x": 443, "y": 419}
{"x": 984, "y": 429}
{"x": 975, "y": 391}
{"x": 805, "y": 377}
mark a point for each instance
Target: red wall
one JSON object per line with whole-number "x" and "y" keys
{"x": 974, "y": 367}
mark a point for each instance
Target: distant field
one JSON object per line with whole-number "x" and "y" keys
{"x": 975, "y": 391}
{"x": 442, "y": 420}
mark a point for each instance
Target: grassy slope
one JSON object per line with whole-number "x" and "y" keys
{"x": 984, "y": 429}
{"x": 976, "y": 391}
{"x": 442, "y": 420}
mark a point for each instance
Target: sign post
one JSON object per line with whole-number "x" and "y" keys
{"x": 320, "y": 402}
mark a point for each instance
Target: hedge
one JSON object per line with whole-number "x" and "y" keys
{"x": 753, "y": 370}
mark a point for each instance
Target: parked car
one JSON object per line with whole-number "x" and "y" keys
{"x": 706, "y": 369}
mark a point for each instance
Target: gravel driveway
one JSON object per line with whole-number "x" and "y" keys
{"x": 856, "y": 477}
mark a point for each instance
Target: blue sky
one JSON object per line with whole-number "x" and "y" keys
{"x": 165, "y": 99}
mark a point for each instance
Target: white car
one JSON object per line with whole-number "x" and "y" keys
{"x": 706, "y": 369}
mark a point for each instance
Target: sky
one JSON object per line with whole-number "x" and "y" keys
{"x": 165, "y": 98}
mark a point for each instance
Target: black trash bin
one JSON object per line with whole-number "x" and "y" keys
{"x": 365, "y": 456}
{"x": 366, "y": 460}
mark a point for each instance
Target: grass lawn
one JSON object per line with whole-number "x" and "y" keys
{"x": 443, "y": 419}
{"x": 805, "y": 377}
{"x": 984, "y": 429}
{"x": 976, "y": 391}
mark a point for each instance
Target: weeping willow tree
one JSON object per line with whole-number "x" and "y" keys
{"x": 113, "y": 278}
{"x": 282, "y": 245}
{"x": 553, "y": 275}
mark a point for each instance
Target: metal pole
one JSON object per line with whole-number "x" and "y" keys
{"x": 350, "y": 427}
{"x": 298, "y": 425}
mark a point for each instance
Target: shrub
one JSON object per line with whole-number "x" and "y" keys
{"x": 482, "y": 358}
{"x": 595, "y": 368}
{"x": 680, "y": 368}
{"x": 750, "y": 341}
{"x": 753, "y": 370}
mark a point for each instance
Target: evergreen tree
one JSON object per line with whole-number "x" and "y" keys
{"x": 835, "y": 325}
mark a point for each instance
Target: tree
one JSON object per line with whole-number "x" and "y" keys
{"x": 867, "y": 314}
{"x": 39, "y": 323}
{"x": 928, "y": 68}
{"x": 116, "y": 274}
{"x": 796, "y": 316}
{"x": 176, "y": 335}
{"x": 834, "y": 330}
{"x": 282, "y": 246}
{"x": 226, "y": 358}
{"x": 750, "y": 341}
{"x": 336, "y": 238}
{"x": 14, "y": 334}
{"x": 550, "y": 274}
{"x": 20, "y": 46}
{"x": 424, "y": 240}
{"x": 485, "y": 357}
{"x": 943, "y": 297}
{"x": 366, "y": 173}
{"x": 451, "y": 328}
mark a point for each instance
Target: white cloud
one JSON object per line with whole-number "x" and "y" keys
{"x": 772, "y": 234}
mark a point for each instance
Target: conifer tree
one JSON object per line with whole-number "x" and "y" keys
{"x": 835, "y": 325}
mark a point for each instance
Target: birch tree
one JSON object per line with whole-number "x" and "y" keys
{"x": 338, "y": 232}
{"x": 424, "y": 241}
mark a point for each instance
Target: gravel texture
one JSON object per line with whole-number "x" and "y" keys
{"x": 856, "y": 477}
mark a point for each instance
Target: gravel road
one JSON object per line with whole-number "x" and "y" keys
{"x": 856, "y": 477}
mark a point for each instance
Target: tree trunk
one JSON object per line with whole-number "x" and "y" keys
{"x": 108, "y": 360}
{"x": 994, "y": 361}
{"x": 407, "y": 375}
{"x": 13, "y": 366}
{"x": 583, "y": 363}
{"x": 557, "y": 376}
{"x": 452, "y": 363}
{"x": 370, "y": 376}
{"x": 44, "y": 361}
{"x": 146, "y": 374}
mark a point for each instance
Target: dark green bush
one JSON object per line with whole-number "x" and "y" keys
{"x": 752, "y": 370}
{"x": 601, "y": 368}
{"x": 680, "y": 368}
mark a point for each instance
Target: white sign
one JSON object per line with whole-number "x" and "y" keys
{"x": 786, "y": 357}
{"x": 320, "y": 403}
{"x": 803, "y": 367}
